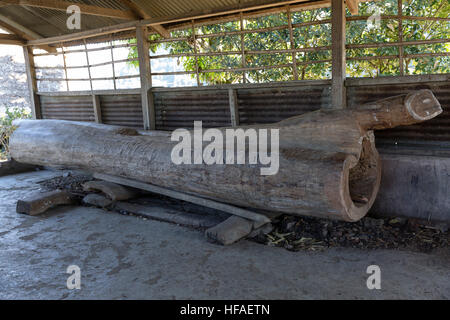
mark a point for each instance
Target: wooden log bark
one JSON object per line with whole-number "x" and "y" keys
{"x": 328, "y": 164}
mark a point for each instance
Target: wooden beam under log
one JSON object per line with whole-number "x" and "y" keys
{"x": 328, "y": 165}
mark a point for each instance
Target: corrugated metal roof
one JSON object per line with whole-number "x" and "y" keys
{"x": 174, "y": 8}
{"x": 49, "y": 22}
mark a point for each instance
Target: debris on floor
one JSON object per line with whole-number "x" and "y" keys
{"x": 292, "y": 233}
{"x": 69, "y": 181}
{"x": 305, "y": 233}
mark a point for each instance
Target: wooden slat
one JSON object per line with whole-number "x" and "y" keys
{"x": 253, "y": 216}
{"x": 32, "y": 83}
{"x": 352, "y": 6}
{"x": 148, "y": 107}
{"x": 85, "y": 34}
{"x": 144, "y": 15}
{"x": 234, "y": 107}
{"x": 97, "y": 108}
{"x": 11, "y": 39}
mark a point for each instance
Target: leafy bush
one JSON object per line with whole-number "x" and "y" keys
{"x": 7, "y": 128}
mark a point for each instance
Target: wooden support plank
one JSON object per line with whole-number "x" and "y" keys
{"x": 65, "y": 66}
{"x": 97, "y": 108}
{"x": 338, "y": 91}
{"x": 352, "y": 6}
{"x": 234, "y": 107}
{"x": 253, "y": 216}
{"x": 141, "y": 14}
{"x": 148, "y": 107}
{"x": 85, "y": 34}
{"x": 35, "y": 102}
{"x": 113, "y": 63}
{"x": 84, "y": 8}
{"x": 88, "y": 64}
{"x": 11, "y": 39}
{"x": 15, "y": 28}
{"x": 42, "y": 202}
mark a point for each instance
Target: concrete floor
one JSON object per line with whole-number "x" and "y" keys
{"x": 124, "y": 257}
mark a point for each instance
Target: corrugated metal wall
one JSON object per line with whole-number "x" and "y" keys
{"x": 122, "y": 110}
{"x": 180, "y": 108}
{"x": 267, "y": 105}
{"x": 78, "y": 108}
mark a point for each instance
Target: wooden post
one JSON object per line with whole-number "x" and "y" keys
{"x": 234, "y": 107}
{"x": 338, "y": 91}
{"x": 35, "y": 103}
{"x": 112, "y": 62}
{"x": 195, "y": 52}
{"x": 292, "y": 46}
{"x": 148, "y": 107}
{"x": 400, "y": 38}
{"x": 65, "y": 66}
{"x": 243, "y": 60}
{"x": 97, "y": 108}
{"x": 88, "y": 64}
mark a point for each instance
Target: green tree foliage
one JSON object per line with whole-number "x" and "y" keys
{"x": 7, "y": 127}
{"x": 313, "y": 36}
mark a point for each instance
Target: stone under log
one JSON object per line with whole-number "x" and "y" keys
{"x": 328, "y": 164}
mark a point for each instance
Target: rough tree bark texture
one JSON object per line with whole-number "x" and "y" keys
{"x": 329, "y": 166}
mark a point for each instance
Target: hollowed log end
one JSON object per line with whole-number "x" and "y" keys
{"x": 422, "y": 105}
{"x": 360, "y": 181}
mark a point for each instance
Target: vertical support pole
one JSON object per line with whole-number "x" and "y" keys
{"x": 148, "y": 107}
{"x": 338, "y": 21}
{"x": 35, "y": 103}
{"x": 112, "y": 61}
{"x": 234, "y": 107}
{"x": 88, "y": 64}
{"x": 65, "y": 65}
{"x": 244, "y": 62}
{"x": 291, "y": 39}
{"x": 97, "y": 108}
{"x": 400, "y": 37}
{"x": 196, "y": 53}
